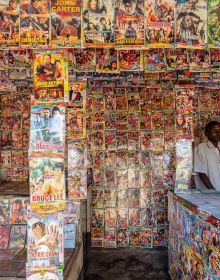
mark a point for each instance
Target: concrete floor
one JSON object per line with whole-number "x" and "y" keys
{"x": 126, "y": 264}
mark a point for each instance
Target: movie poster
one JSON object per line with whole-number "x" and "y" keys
{"x": 131, "y": 60}
{"x": 107, "y": 61}
{"x": 98, "y": 23}
{"x": 47, "y": 184}
{"x": 159, "y": 28}
{"x": 65, "y": 23}
{"x": 77, "y": 184}
{"x": 85, "y": 60}
{"x": 4, "y": 211}
{"x": 47, "y": 132}
{"x": 34, "y": 23}
{"x": 77, "y": 94}
{"x": 213, "y": 23}
{"x": 129, "y": 23}
{"x": 9, "y": 23}
{"x": 18, "y": 210}
{"x": 17, "y": 237}
{"x": 45, "y": 240}
{"x": 50, "y": 76}
{"x": 52, "y": 273}
{"x": 191, "y": 23}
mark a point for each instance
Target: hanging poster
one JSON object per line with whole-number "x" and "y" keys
{"x": 65, "y": 23}
{"x": 77, "y": 94}
{"x": 47, "y": 131}
{"x": 85, "y": 60}
{"x": 215, "y": 60}
{"x": 213, "y": 23}
{"x": 191, "y": 23}
{"x": 159, "y": 27}
{"x": 47, "y": 184}
{"x": 45, "y": 240}
{"x": 107, "y": 61}
{"x": 9, "y": 23}
{"x": 131, "y": 60}
{"x": 52, "y": 273}
{"x": 34, "y": 23}
{"x": 199, "y": 60}
{"x": 98, "y": 23}
{"x": 129, "y": 23}
{"x": 50, "y": 76}
{"x": 154, "y": 60}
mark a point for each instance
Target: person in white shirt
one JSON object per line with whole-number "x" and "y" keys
{"x": 207, "y": 159}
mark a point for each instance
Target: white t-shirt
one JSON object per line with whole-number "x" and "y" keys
{"x": 207, "y": 160}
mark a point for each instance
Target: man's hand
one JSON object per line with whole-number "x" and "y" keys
{"x": 52, "y": 237}
{"x": 206, "y": 181}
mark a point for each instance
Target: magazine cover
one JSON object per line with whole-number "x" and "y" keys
{"x": 98, "y": 23}
{"x": 47, "y": 131}
{"x": 4, "y": 237}
{"x": 50, "y": 76}
{"x": 45, "y": 239}
{"x": 129, "y": 23}
{"x": 18, "y": 210}
{"x": 34, "y": 23}
{"x": 4, "y": 211}
{"x": 191, "y": 23}
{"x": 17, "y": 237}
{"x": 130, "y": 60}
{"x": 77, "y": 184}
{"x": 51, "y": 273}
{"x": 107, "y": 61}
{"x": 213, "y": 23}
{"x": 9, "y": 22}
{"x": 159, "y": 27}
{"x": 70, "y": 235}
{"x": 77, "y": 94}
{"x": 47, "y": 184}
{"x": 65, "y": 23}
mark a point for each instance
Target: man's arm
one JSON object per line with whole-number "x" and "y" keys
{"x": 206, "y": 180}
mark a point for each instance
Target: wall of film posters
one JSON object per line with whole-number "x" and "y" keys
{"x": 108, "y": 23}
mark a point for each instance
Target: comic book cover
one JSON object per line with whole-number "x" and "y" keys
{"x": 47, "y": 184}
{"x": 97, "y": 200}
{"x": 191, "y": 23}
{"x": 45, "y": 239}
{"x": 146, "y": 217}
{"x": 110, "y": 217}
{"x": 134, "y": 178}
{"x": 47, "y": 130}
{"x": 65, "y": 23}
{"x": 110, "y": 238}
{"x": 129, "y": 23}
{"x": 146, "y": 237}
{"x": 77, "y": 95}
{"x": 213, "y": 23}
{"x": 70, "y": 232}
{"x": 134, "y": 237}
{"x": 4, "y": 237}
{"x": 76, "y": 124}
{"x": 98, "y": 23}
{"x": 85, "y": 60}
{"x": 97, "y": 237}
{"x": 34, "y": 24}
{"x": 134, "y": 217}
{"x": 77, "y": 184}
{"x": 18, "y": 210}
{"x": 159, "y": 26}
{"x": 4, "y": 211}
{"x": 154, "y": 60}
{"x": 5, "y": 158}
{"x": 17, "y": 237}
{"x": 9, "y": 22}
{"x": 122, "y": 237}
{"x": 215, "y": 59}
{"x": 72, "y": 212}
{"x": 97, "y": 217}
{"x": 107, "y": 61}
{"x": 76, "y": 155}
{"x": 130, "y": 60}
{"x": 122, "y": 178}
{"x": 199, "y": 60}
{"x": 52, "y": 273}
{"x": 158, "y": 236}
{"x": 50, "y": 76}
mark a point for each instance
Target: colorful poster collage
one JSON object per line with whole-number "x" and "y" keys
{"x": 109, "y": 23}
{"x": 193, "y": 241}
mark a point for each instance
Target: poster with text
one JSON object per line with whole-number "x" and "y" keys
{"x": 65, "y": 23}
{"x": 52, "y": 273}
{"x": 34, "y": 23}
{"x": 213, "y": 23}
{"x": 47, "y": 184}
